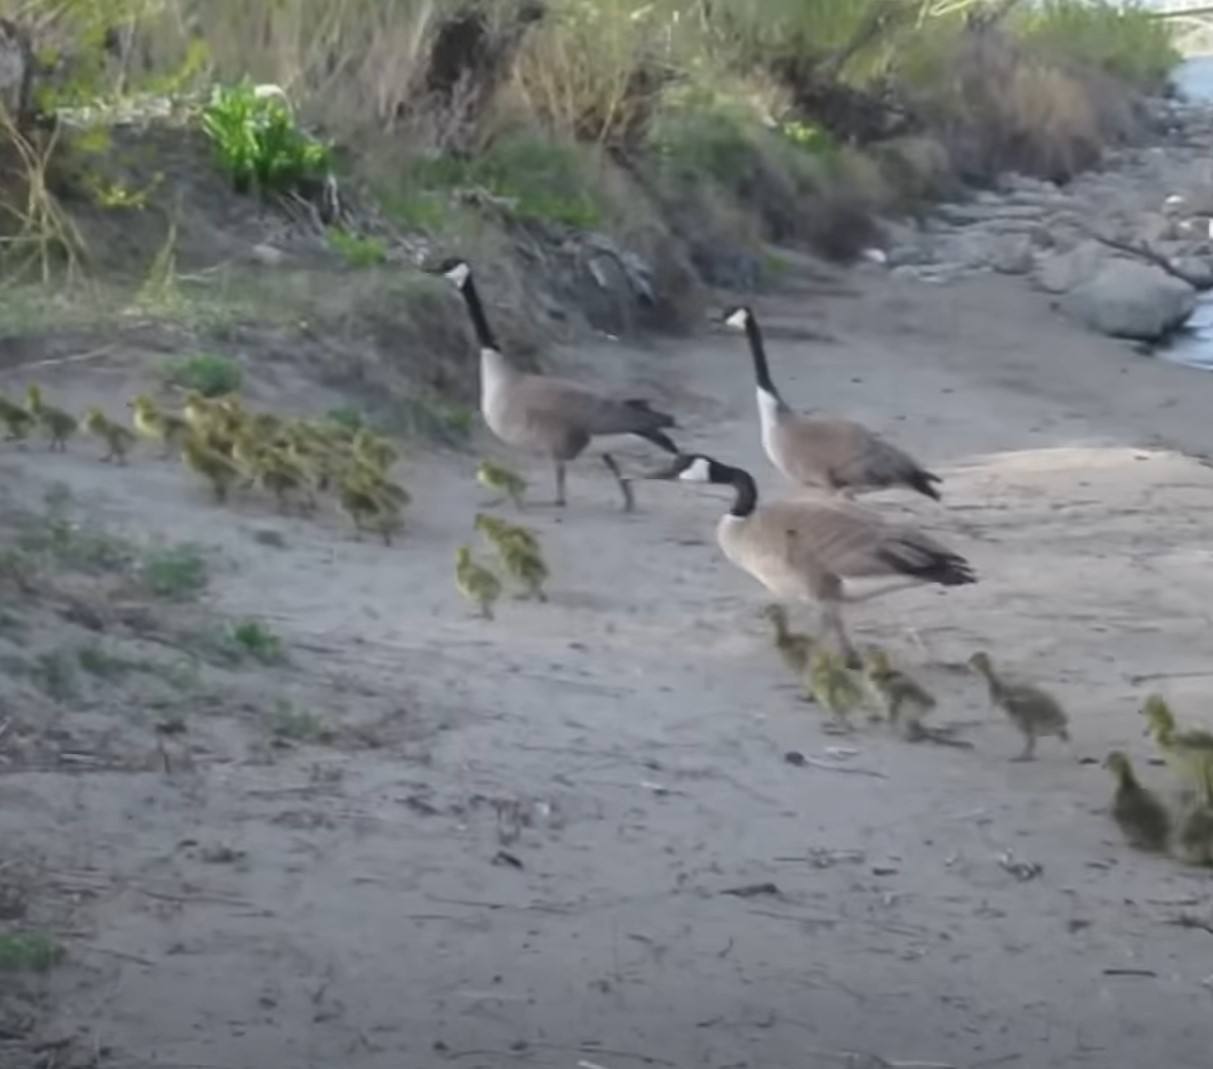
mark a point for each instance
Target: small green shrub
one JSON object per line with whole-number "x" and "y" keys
{"x": 210, "y": 375}
{"x": 29, "y": 952}
{"x": 258, "y": 142}
{"x": 96, "y": 660}
{"x": 288, "y": 724}
{"x": 348, "y": 419}
{"x": 418, "y": 209}
{"x": 537, "y": 180}
{"x": 359, "y": 251}
{"x": 54, "y": 673}
{"x": 177, "y": 573}
{"x": 256, "y": 640}
{"x": 691, "y": 142}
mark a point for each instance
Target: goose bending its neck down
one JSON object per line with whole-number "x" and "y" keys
{"x": 835, "y": 454}
{"x": 804, "y": 549}
{"x": 549, "y": 415}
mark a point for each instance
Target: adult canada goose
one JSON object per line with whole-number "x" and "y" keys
{"x": 837, "y": 454}
{"x": 804, "y": 548}
{"x": 550, "y": 415}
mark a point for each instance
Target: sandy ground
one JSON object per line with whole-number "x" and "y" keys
{"x": 624, "y": 745}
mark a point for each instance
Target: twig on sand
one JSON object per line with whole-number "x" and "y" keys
{"x": 1149, "y": 676}
{"x": 853, "y": 1059}
{"x": 830, "y": 766}
{"x": 78, "y": 358}
{"x": 610, "y": 1052}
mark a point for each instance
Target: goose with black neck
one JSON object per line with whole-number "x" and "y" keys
{"x": 838, "y": 455}
{"x": 805, "y": 549}
{"x": 548, "y": 415}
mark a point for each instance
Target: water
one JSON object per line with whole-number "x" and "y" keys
{"x": 1193, "y": 345}
{"x": 1194, "y": 78}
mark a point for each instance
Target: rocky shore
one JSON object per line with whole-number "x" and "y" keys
{"x": 1125, "y": 249}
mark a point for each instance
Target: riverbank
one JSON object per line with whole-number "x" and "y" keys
{"x": 270, "y": 795}
{"x": 398, "y": 834}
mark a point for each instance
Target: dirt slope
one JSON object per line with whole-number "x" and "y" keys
{"x": 625, "y": 744}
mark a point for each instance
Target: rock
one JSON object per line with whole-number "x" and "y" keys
{"x": 1061, "y": 272}
{"x": 267, "y": 255}
{"x": 1154, "y": 227}
{"x": 966, "y": 214}
{"x": 1012, "y": 255}
{"x": 1126, "y": 299}
{"x": 1196, "y": 268}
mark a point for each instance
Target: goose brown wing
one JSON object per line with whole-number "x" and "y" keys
{"x": 575, "y": 405}
{"x": 852, "y": 542}
{"x": 855, "y": 456}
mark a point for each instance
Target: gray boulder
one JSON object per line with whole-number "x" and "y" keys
{"x": 1061, "y": 272}
{"x": 1126, "y": 299}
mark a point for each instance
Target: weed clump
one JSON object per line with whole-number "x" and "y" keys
{"x": 29, "y": 952}
{"x": 176, "y": 573}
{"x": 209, "y": 375}
{"x": 258, "y": 143}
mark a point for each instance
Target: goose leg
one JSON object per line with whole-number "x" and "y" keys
{"x": 560, "y": 475}
{"x": 831, "y": 617}
{"x": 625, "y": 488}
{"x": 1029, "y": 748}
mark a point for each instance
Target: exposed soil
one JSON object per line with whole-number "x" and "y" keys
{"x": 512, "y": 842}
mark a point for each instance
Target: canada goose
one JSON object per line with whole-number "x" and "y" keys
{"x": 805, "y": 548}
{"x": 837, "y": 454}
{"x": 550, "y": 415}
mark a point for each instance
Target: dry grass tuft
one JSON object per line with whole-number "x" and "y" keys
{"x": 1005, "y": 108}
{"x": 40, "y": 236}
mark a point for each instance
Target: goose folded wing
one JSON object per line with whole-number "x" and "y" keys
{"x": 579, "y": 407}
{"x": 852, "y": 542}
{"x": 861, "y": 457}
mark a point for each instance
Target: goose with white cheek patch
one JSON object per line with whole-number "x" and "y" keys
{"x": 804, "y": 549}
{"x": 832, "y": 454}
{"x": 548, "y": 415}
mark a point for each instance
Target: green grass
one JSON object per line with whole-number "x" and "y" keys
{"x": 253, "y": 639}
{"x": 348, "y": 419}
{"x": 176, "y": 573}
{"x": 529, "y": 178}
{"x": 29, "y": 952}
{"x": 209, "y": 374}
{"x": 357, "y": 249}
{"x": 95, "y": 659}
{"x": 54, "y": 673}
{"x": 1124, "y": 40}
{"x": 418, "y": 208}
{"x": 288, "y": 724}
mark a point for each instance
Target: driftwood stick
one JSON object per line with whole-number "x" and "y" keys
{"x": 1144, "y": 252}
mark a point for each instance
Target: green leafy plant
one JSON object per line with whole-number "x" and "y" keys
{"x": 210, "y": 375}
{"x": 258, "y": 142}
